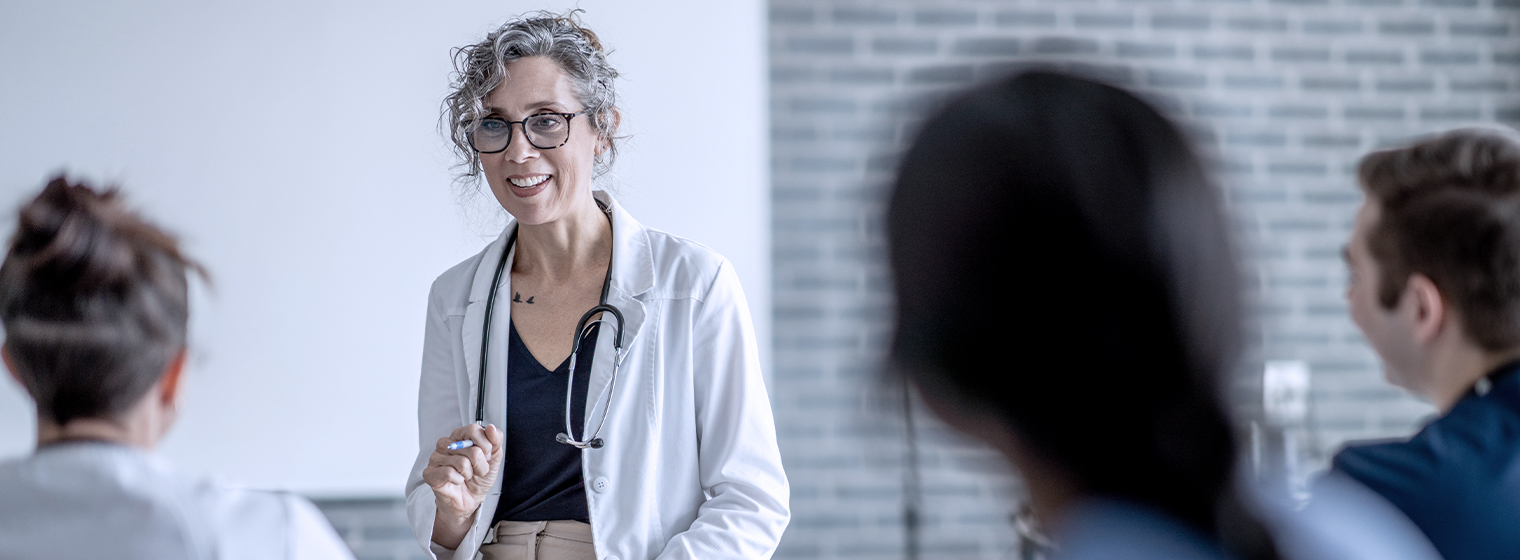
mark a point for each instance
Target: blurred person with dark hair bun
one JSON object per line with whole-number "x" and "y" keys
{"x": 1067, "y": 292}
{"x": 95, "y": 305}
{"x": 1435, "y": 287}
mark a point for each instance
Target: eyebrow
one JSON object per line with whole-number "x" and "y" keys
{"x": 553, "y": 106}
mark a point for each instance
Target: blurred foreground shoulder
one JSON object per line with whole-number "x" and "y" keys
{"x": 1345, "y": 520}
{"x": 91, "y": 500}
{"x": 262, "y": 524}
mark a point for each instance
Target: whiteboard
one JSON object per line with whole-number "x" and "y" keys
{"x": 294, "y": 148}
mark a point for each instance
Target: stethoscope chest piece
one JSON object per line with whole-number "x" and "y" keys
{"x": 595, "y": 443}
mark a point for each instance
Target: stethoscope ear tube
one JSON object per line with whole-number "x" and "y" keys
{"x": 485, "y": 331}
{"x": 580, "y": 327}
{"x": 567, "y": 437}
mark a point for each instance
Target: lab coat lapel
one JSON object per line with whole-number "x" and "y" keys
{"x": 474, "y": 322}
{"x": 602, "y": 362}
{"x": 632, "y": 276}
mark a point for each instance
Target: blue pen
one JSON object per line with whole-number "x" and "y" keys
{"x": 461, "y": 444}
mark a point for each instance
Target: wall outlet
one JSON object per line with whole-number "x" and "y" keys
{"x": 1285, "y": 392}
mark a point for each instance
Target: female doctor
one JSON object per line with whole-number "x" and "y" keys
{"x": 664, "y": 446}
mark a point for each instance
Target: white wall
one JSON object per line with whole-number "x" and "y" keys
{"x": 293, "y": 146}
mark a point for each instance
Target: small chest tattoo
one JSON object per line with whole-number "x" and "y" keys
{"x": 517, "y": 298}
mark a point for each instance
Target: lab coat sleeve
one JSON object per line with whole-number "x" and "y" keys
{"x": 437, "y": 415}
{"x": 738, "y": 459}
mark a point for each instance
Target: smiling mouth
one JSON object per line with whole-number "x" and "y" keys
{"x": 529, "y": 181}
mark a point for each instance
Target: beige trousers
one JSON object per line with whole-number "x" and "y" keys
{"x": 540, "y": 540}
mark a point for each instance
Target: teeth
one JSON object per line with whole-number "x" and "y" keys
{"x": 529, "y": 181}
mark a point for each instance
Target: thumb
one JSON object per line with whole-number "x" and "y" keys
{"x": 495, "y": 435}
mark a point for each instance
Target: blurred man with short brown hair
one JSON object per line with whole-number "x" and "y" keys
{"x": 1435, "y": 287}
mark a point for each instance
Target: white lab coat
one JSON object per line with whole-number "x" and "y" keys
{"x": 91, "y": 500}
{"x": 690, "y": 469}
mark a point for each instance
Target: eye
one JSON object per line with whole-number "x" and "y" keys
{"x": 494, "y": 126}
{"x": 546, "y": 123}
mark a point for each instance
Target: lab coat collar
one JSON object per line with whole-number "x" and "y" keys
{"x": 632, "y": 259}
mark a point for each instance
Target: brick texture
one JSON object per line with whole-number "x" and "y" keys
{"x": 1283, "y": 95}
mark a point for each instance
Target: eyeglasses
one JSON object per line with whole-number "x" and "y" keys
{"x": 544, "y": 131}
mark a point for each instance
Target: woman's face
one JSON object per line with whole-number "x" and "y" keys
{"x": 539, "y": 186}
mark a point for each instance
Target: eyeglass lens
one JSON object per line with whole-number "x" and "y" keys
{"x": 546, "y": 131}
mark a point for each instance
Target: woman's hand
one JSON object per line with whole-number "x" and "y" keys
{"x": 461, "y": 478}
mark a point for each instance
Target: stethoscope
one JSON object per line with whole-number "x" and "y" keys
{"x": 581, "y": 328}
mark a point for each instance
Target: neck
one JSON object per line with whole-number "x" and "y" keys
{"x": 1453, "y": 372}
{"x": 140, "y": 427}
{"x": 1051, "y": 490}
{"x": 562, "y": 248}
{"x": 94, "y": 429}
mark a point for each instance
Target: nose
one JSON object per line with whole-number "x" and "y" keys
{"x": 519, "y": 149}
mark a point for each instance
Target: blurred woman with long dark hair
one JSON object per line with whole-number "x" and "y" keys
{"x": 1066, "y": 292}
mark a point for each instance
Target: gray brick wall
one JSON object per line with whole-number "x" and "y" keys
{"x": 1284, "y": 94}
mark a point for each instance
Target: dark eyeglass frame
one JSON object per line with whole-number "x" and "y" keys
{"x": 569, "y": 117}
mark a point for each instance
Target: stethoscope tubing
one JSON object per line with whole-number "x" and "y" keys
{"x": 485, "y": 330}
{"x": 568, "y": 438}
{"x": 594, "y": 441}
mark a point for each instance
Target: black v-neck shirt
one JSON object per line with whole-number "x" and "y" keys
{"x": 541, "y": 477}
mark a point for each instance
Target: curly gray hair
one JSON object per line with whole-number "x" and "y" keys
{"x": 480, "y": 67}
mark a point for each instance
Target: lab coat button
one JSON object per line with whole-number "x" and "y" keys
{"x": 600, "y": 485}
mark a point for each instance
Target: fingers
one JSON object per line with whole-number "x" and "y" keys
{"x": 438, "y": 475}
{"x": 456, "y": 461}
{"x": 464, "y": 432}
{"x": 479, "y": 460}
{"x": 475, "y": 461}
{"x": 451, "y": 492}
{"x": 498, "y": 440}
{"x": 481, "y": 436}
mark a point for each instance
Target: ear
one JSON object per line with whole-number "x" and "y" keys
{"x": 1430, "y": 310}
{"x": 168, "y": 385}
{"x": 5, "y": 354}
{"x": 616, "y": 117}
